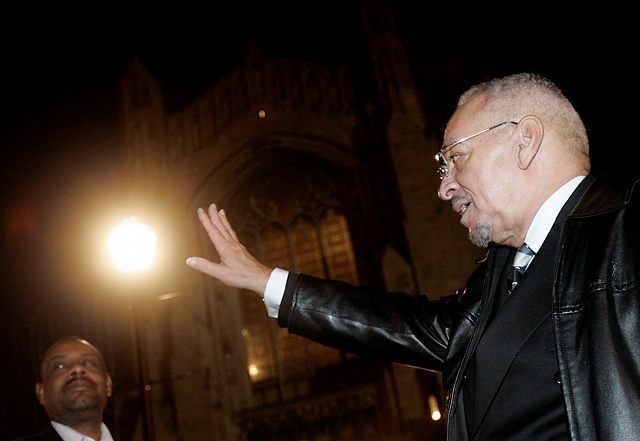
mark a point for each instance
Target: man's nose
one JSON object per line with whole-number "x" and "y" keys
{"x": 448, "y": 186}
{"x": 77, "y": 369}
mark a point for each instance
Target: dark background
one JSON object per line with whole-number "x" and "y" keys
{"x": 61, "y": 67}
{"x": 58, "y": 132}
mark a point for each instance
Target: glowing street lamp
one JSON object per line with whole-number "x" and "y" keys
{"x": 132, "y": 246}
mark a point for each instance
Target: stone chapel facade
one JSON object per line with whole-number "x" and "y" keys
{"x": 322, "y": 169}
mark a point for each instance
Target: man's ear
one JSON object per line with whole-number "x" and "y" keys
{"x": 530, "y": 135}
{"x": 109, "y": 386}
{"x": 40, "y": 392}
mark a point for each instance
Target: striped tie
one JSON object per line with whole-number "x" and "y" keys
{"x": 520, "y": 263}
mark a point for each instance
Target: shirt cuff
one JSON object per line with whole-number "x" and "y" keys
{"x": 274, "y": 291}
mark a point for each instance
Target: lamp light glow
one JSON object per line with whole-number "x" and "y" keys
{"x": 132, "y": 245}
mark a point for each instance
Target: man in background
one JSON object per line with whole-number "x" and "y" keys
{"x": 74, "y": 388}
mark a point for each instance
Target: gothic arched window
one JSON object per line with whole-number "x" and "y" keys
{"x": 295, "y": 223}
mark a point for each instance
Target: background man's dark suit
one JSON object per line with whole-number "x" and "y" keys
{"x": 49, "y": 434}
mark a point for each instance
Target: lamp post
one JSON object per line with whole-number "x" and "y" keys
{"x": 132, "y": 246}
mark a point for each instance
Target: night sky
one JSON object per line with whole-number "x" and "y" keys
{"x": 58, "y": 133}
{"x": 61, "y": 67}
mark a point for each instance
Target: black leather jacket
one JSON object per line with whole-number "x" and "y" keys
{"x": 596, "y": 316}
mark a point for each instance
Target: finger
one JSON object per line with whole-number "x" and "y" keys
{"x": 216, "y": 236}
{"x": 223, "y": 228}
{"x": 227, "y": 224}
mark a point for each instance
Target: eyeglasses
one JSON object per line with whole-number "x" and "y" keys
{"x": 443, "y": 168}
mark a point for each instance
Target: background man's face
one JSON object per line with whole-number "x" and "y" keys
{"x": 75, "y": 384}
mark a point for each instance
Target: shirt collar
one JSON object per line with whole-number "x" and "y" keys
{"x": 69, "y": 434}
{"x": 546, "y": 215}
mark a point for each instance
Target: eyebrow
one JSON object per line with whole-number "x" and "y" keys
{"x": 65, "y": 356}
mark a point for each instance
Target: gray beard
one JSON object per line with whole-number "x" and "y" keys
{"x": 481, "y": 235}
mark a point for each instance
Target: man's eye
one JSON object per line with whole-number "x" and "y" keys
{"x": 58, "y": 366}
{"x": 91, "y": 364}
{"x": 453, "y": 158}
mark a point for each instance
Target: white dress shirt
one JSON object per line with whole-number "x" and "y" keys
{"x": 547, "y": 214}
{"x": 68, "y": 434}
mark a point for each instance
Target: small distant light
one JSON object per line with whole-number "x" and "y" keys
{"x": 262, "y": 113}
{"x": 253, "y": 370}
{"x": 434, "y": 408}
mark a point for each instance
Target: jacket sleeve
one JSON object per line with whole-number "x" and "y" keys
{"x": 394, "y": 326}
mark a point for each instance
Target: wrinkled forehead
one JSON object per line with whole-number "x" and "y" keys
{"x": 467, "y": 119}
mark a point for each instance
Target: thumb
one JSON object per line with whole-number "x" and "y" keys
{"x": 202, "y": 265}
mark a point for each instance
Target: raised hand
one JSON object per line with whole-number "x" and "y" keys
{"x": 237, "y": 267}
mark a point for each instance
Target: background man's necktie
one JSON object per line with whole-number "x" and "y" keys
{"x": 520, "y": 264}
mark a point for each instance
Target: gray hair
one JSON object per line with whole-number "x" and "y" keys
{"x": 515, "y": 96}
